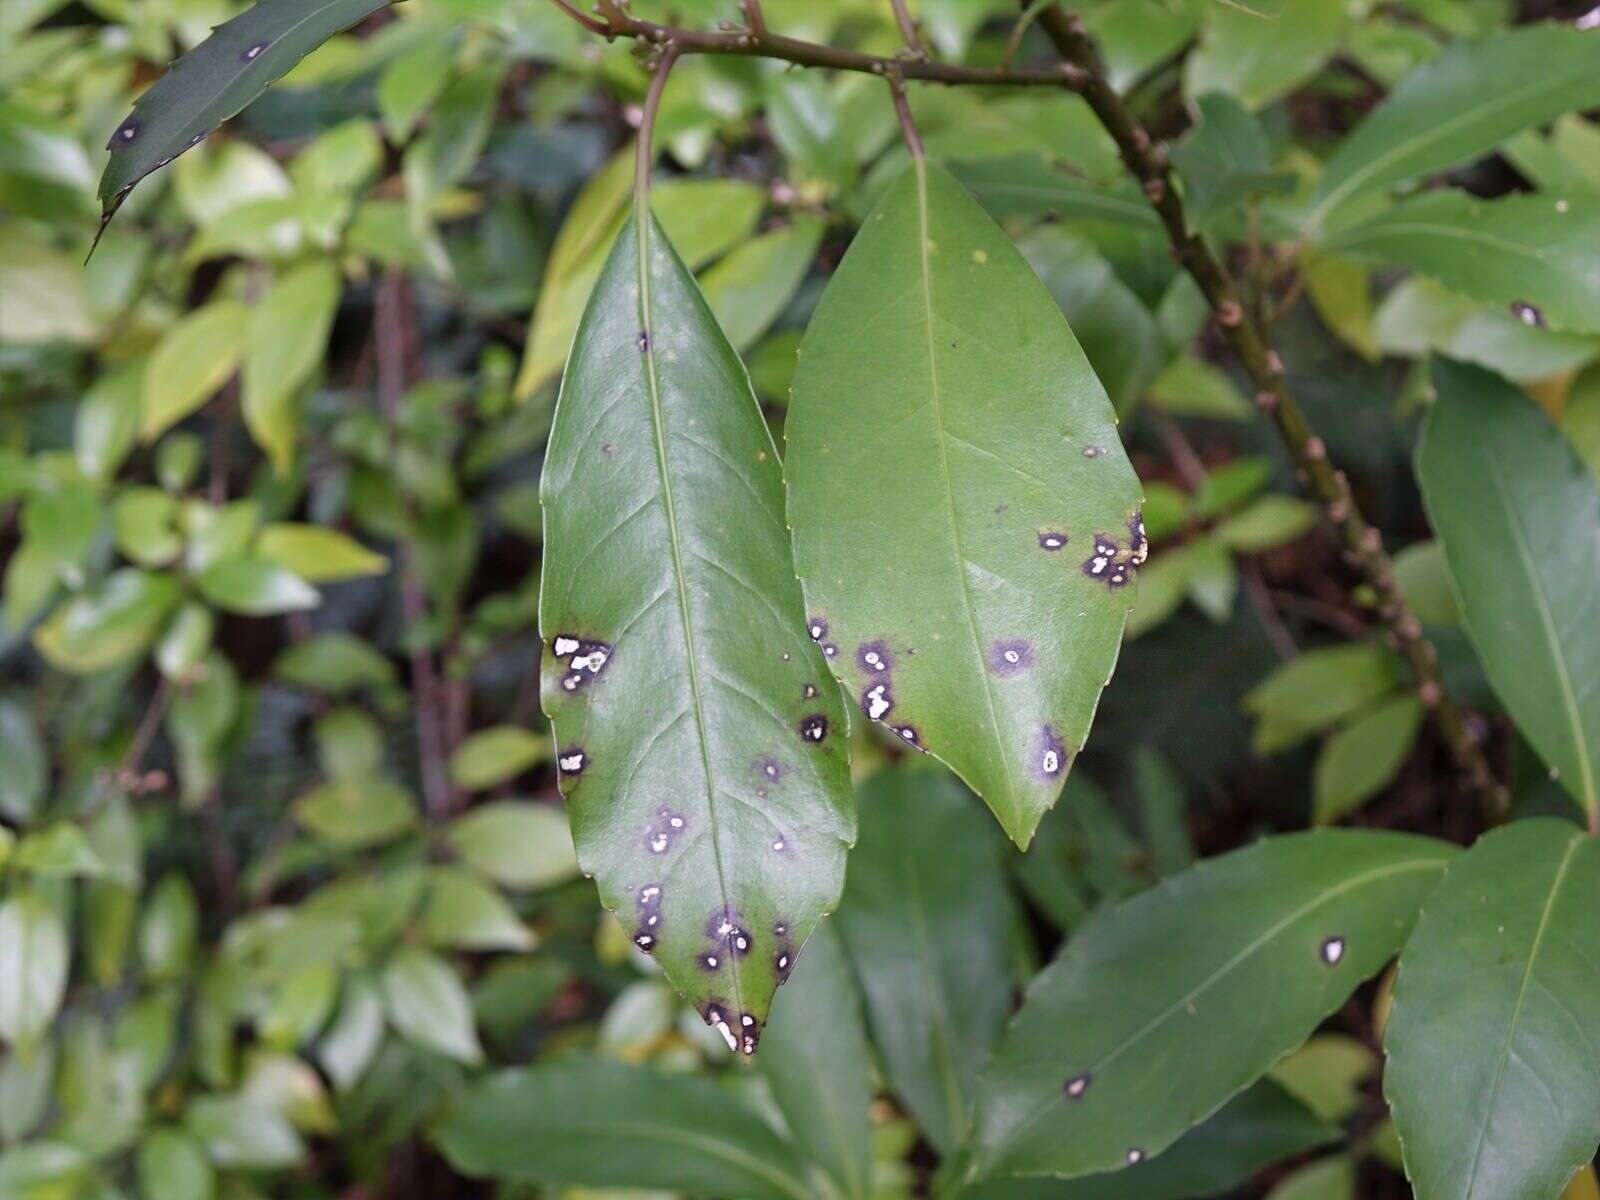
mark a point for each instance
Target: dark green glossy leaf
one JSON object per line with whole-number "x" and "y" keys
{"x": 1516, "y": 511}
{"x": 1134, "y": 1034}
{"x": 1463, "y": 104}
{"x": 1258, "y": 1126}
{"x": 608, "y": 1125}
{"x": 214, "y": 81}
{"x": 1496, "y": 1016}
{"x": 1536, "y": 253}
{"x": 1026, "y": 185}
{"x": 816, "y": 1060}
{"x": 926, "y": 919}
{"x": 949, "y": 442}
{"x": 702, "y": 748}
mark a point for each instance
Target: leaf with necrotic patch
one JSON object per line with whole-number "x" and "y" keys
{"x": 965, "y": 520}
{"x": 702, "y": 746}
{"x": 214, "y": 81}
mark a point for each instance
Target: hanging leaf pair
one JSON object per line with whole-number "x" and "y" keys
{"x": 966, "y": 525}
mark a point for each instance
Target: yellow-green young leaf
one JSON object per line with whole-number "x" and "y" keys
{"x": 107, "y": 423}
{"x": 243, "y": 1133}
{"x": 1496, "y": 1015}
{"x": 1270, "y": 522}
{"x": 186, "y": 641}
{"x": 356, "y": 813}
{"x": 703, "y": 218}
{"x": 1326, "y": 1074}
{"x": 1537, "y": 253}
{"x": 1424, "y": 579}
{"x": 255, "y": 587}
{"x": 715, "y": 814}
{"x": 194, "y": 358}
{"x": 27, "y": 774}
{"x": 145, "y": 522}
{"x": 173, "y": 1165}
{"x": 1580, "y": 419}
{"x": 1461, "y": 105}
{"x": 108, "y": 624}
{"x": 949, "y": 442}
{"x": 1516, "y": 511}
{"x": 1341, "y": 291}
{"x": 1584, "y": 1185}
{"x": 516, "y": 843}
{"x": 1361, "y": 760}
{"x": 1318, "y": 689}
{"x": 493, "y": 756}
{"x": 748, "y": 289}
{"x": 1259, "y": 58}
{"x": 462, "y": 913}
{"x": 318, "y": 554}
{"x": 1327, "y": 1179}
{"x": 1133, "y": 1034}
{"x": 288, "y": 335}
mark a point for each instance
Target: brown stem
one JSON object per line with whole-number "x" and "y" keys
{"x": 644, "y": 148}
{"x": 1363, "y": 544}
{"x": 759, "y": 42}
{"x": 908, "y": 29}
{"x": 390, "y": 319}
{"x": 902, "y": 110}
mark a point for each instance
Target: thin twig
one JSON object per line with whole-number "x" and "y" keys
{"x": 389, "y": 333}
{"x": 644, "y": 147}
{"x": 902, "y": 110}
{"x": 908, "y": 29}
{"x": 760, "y": 42}
{"x": 1363, "y": 543}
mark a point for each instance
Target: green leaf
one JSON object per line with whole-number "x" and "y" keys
{"x": 352, "y": 1041}
{"x": 193, "y": 359}
{"x": 1260, "y": 1125}
{"x": 715, "y": 822}
{"x": 463, "y": 914}
{"x": 604, "y": 1124}
{"x": 214, "y": 81}
{"x": 318, "y": 554}
{"x": 173, "y": 1166}
{"x": 42, "y": 1170}
{"x": 749, "y": 288}
{"x": 1327, "y": 1179}
{"x": 335, "y": 663}
{"x": 1461, "y": 105}
{"x": 428, "y": 1006}
{"x": 58, "y": 850}
{"x": 1025, "y": 185}
{"x": 1259, "y": 59}
{"x": 1580, "y": 419}
{"x": 516, "y": 843}
{"x": 242, "y": 1133}
{"x": 1495, "y": 1019}
{"x": 1270, "y": 522}
{"x": 256, "y": 587}
{"x": 965, "y": 458}
{"x": 816, "y": 1060}
{"x": 108, "y": 624}
{"x": 34, "y": 953}
{"x": 492, "y": 756}
{"x": 1133, "y": 1034}
{"x": 107, "y": 422}
{"x": 356, "y": 813}
{"x": 1326, "y": 1074}
{"x": 933, "y": 959}
{"x": 169, "y": 929}
{"x": 1226, "y": 161}
{"x": 1424, "y": 579}
{"x": 287, "y": 338}
{"x": 145, "y": 522}
{"x": 1363, "y": 758}
{"x": 27, "y": 763}
{"x": 1516, "y": 511}
{"x": 1519, "y": 250}
{"x": 1316, "y": 690}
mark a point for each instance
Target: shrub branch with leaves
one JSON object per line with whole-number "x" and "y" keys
{"x": 857, "y": 476}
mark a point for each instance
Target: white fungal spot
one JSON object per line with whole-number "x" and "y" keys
{"x": 741, "y": 943}
{"x": 1052, "y": 540}
{"x": 659, "y": 843}
{"x": 570, "y": 682}
{"x": 721, "y": 1027}
{"x": 809, "y": 692}
{"x": 878, "y": 702}
{"x": 783, "y": 962}
{"x": 1077, "y": 1086}
{"x": 649, "y": 895}
{"x": 711, "y": 961}
{"x": 747, "y": 1020}
{"x": 817, "y": 630}
{"x": 676, "y": 822}
{"x": 254, "y": 52}
{"x": 1589, "y": 20}
{"x": 1093, "y": 451}
{"x": 873, "y": 659}
{"x": 1051, "y": 762}
{"x": 724, "y": 929}
{"x": 1562, "y": 205}
{"x": 1011, "y": 656}
{"x": 830, "y": 649}
{"x": 571, "y": 764}
{"x": 778, "y": 845}
{"x": 1135, "y": 1156}
{"x": 645, "y": 942}
{"x": 1333, "y": 951}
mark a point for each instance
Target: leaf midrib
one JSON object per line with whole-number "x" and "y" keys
{"x": 936, "y": 407}
{"x": 1580, "y": 745}
{"x": 1516, "y": 1011}
{"x": 643, "y": 222}
{"x": 1250, "y": 949}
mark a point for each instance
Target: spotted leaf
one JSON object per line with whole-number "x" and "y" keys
{"x": 1517, "y": 512}
{"x": 702, "y": 747}
{"x": 215, "y": 80}
{"x": 1135, "y": 1033}
{"x": 1496, "y": 1015}
{"x": 962, "y": 509}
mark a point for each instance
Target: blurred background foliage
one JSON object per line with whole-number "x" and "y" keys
{"x": 282, "y": 863}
